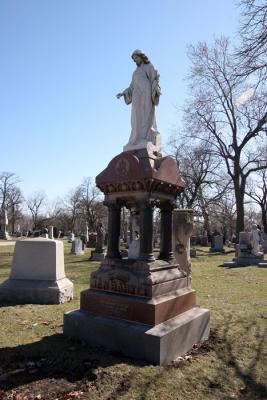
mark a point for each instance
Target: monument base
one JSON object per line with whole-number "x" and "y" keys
{"x": 97, "y": 256}
{"x": 139, "y": 309}
{"x": 77, "y": 253}
{"x": 158, "y": 345}
{"x": 243, "y": 261}
{"x": 152, "y": 148}
{"x": 262, "y": 264}
{"x": 193, "y": 253}
{"x": 29, "y": 291}
{"x": 214, "y": 250}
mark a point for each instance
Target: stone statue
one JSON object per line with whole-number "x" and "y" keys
{"x": 134, "y": 246}
{"x": 143, "y": 93}
{"x": 100, "y": 238}
{"x": 255, "y": 240}
{"x": 3, "y": 224}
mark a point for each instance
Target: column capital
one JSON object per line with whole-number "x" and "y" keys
{"x": 114, "y": 205}
{"x": 167, "y": 206}
{"x": 144, "y": 204}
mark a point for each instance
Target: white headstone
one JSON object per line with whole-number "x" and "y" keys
{"x": 37, "y": 274}
{"x": 51, "y": 232}
{"x": 77, "y": 247}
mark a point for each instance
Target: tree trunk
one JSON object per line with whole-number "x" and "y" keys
{"x": 264, "y": 218}
{"x": 239, "y": 197}
{"x": 206, "y": 223}
{"x": 13, "y": 218}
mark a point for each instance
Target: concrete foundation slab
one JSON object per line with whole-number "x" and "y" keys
{"x": 159, "y": 345}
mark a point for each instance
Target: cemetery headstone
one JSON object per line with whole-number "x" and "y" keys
{"x": 193, "y": 252}
{"x": 193, "y": 241}
{"x": 92, "y": 240}
{"x": 98, "y": 254}
{"x": 204, "y": 240}
{"x": 77, "y": 247}
{"x": 216, "y": 242}
{"x": 247, "y": 251}
{"x": 71, "y": 237}
{"x": 182, "y": 229}
{"x": 37, "y": 274}
{"x": 51, "y": 232}
{"x": 264, "y": 243}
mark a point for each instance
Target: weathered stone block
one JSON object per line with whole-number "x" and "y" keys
{"x": 37, "y": 274}
{"x": 159, "y": 345}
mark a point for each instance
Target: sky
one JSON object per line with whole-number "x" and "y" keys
{"x": 63, "y": 62}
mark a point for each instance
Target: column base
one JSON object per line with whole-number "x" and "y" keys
{"x": 158, "y": 345}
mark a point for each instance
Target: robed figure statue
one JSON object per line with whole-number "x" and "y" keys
{"x": 143, "y": 93}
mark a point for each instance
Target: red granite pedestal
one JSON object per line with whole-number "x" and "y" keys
{"x": 145, "y": 307}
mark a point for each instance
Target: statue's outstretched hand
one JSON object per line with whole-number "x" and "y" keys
{"x": 119, "y": 95}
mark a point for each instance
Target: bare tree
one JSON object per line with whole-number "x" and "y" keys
{"x": 202, "y": 172}
{"x": 34, "y": 204}
{"x": 91, "y": 205}
{"x": 8, "y": 183}
{"x": 257, "y": 191}
{"x": 15, "y": 201}
{"x": 228, "y": 115}
{"x": 73, "y": 206}
{"x": 223, "y": 214}
{"x": 253, "y": 32}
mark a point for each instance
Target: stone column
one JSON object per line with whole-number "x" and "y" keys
{"x": 166, "y": 226}
{"x": 114, "y": 221}
{"x": 51, "y": 232}
{"x": 182, "y": 229}
{"x": 146, "y": 231}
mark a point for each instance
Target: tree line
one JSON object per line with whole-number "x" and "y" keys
{"x": 221, "y": 146}
{"x": 80, "y": 207}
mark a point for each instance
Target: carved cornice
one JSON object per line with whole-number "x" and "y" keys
{"x": 146, "y": 185}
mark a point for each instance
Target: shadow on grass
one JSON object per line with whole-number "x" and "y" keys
{"x": 230, "y": 357}
{"x": 86, "y": 260}
{"x": 56, "y": 365}
{"x": 56, "y": 358}
{"x": 205, "y": 253}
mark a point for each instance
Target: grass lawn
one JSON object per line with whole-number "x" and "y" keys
{"x": 38, "y": 362}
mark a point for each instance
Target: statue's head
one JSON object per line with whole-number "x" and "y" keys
{"x": 139, "y": 57}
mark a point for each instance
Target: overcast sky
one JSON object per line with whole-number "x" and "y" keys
{"x": 62, "y": 63}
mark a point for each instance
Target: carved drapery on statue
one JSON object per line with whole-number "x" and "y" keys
{"x": 143, "y": 93}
